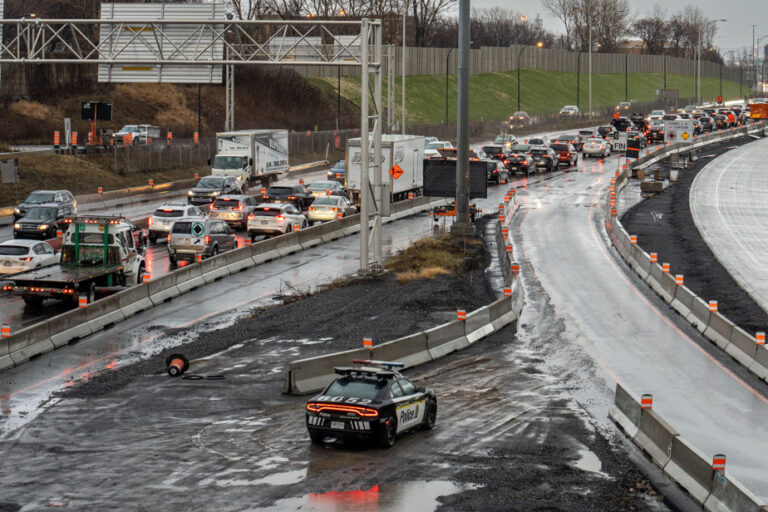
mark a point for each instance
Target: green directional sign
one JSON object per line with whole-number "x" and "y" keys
{"x": 198, "y": 229}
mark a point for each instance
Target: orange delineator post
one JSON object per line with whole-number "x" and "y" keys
{"x": 5, "y": 331}
{"x": 196, "y": 137}
{"x": 169, "y": 138}
{"x": 633, "y": 239}
{"x": 74, "y": 138}
{"x": 654, "y": 257}
{"x": 146, "y": 277}
{"x": 646, "y": 401}
{"x": 713, "y": 306}
{"x": 509, "y": 249}
{"x": 296, "y": 227}
{"x": 760, "y": 338}
{"x": 198, "y": 258}
{"x": 151, "y": 182}
{"x": 56, "y": 139}
{"x": 665, "y": 268}
{"x": 718, "y": 463}
{"x": 507, "y": 292}
{"x": 679, "y": 279}
{"x": 515, "y": 269}
{"x": 368, "y": 343}
{"x": 197, "y": 176}
{"x": 82, "y": 301}
{"x": 339, "y": 216}
{"x": 461, "y": 315}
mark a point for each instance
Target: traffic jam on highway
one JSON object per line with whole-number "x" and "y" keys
{"x": 380, "y": 432}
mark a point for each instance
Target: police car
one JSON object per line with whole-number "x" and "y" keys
{"x": 370, "y": 401}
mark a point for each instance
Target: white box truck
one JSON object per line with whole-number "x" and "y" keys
{"x": 253, "y": 156}
{"x": 405, "y": 151}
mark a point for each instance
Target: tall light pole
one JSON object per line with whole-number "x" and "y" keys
{"x": 589, "y": 24}
{"x": 447, "y": 61}
{"x": 757, "y": 52}
{"x": 463, "y": 226}
{"x": 519, "y": 55}
{"x": 405, "y": 13}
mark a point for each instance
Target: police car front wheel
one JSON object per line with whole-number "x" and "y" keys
{"x": 431, "y": 415}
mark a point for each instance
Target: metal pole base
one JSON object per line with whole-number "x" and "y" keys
{"x": 463, "y": 229}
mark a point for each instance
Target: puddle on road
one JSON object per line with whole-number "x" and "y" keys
{"x": 398, "y": 496}
{"x": 588, "y": 461}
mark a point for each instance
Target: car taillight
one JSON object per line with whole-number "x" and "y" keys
{"x": 338, "y": 176}
{"x": 311, "y": 208}
{"x": 250, "y": 216}
{"x": 213, "y": 207}
{"x": 334, "y": 209}
{"x": 28, "y": 258}
{"x": 363, "y": 412}
{"x": 239, "y": 207}
{"x": 280, "y": 217}
{"x": 495, "y": 171}
{"x": 169, "y": 238}
{"x": 207, "y": 239}
{"x": 265, "y": 197}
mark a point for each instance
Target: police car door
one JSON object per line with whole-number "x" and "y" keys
{"x": 410, "y": 406}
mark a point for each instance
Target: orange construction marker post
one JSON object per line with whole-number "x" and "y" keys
{"x": 718, "y": 463}
{"x": 713, "y": 306}
{"x": 169, "y": 138}
{"x": 509, "y": 249}
{"x": 56, "y": 139}
{"x": 198, "y": 258}
{"x": 646, "y": 401}
{"x": 196, "y": 137}
{"x": 297, "y": 227}
{"x": 99, "y": 190}
{"x": 461, "y": 315}
{"x": 507, "y": 199}
{"x": 504, "y": 232}
{"x": 368, "y": 343}
{"x": 613, "y": 181}
{"x": 5, "y": 331}
{"x": 151, "y": 182}
{"x": 614, "y": 212}
{"x": 679, "y": 279}
{"x": 633, "y": 239}
{"x": 501, "y": 217}
{"x": 507, "y": 292}
{"x": 410, "y": 195}
{"x": 665, "y": 268}
{"x": 339, "y": 216}
{"x": 515, "y": 269}
{"x": 74, "y": 138}
{"x": 613, "y": 202}
{"x": 197, "y": 176}
{"x": 146, "y": 277}
{"x": 82, "y": 301}
{"x": 654, "y": 257}
{"x": 90, "y": 138}
{"x": 760, "y": 338}
{"x": 59, "y": 233}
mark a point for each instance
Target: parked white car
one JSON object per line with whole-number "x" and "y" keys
{"x": 275, "y": 219}
{"x": 22, "y": 255}
{"x": 431, "y": 148}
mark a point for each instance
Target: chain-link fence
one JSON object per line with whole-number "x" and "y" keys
{"x": 180, "y": 154}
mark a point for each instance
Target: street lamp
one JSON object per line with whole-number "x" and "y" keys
{"x": 447, "y": 59}
{"x": 721, "y": 69}
{"x": 589, "y": 24}
{"x": 519, "y": 55}
{"x": 698, "y": 73}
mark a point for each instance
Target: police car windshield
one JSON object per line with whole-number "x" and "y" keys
{"x": 356, "y": 388}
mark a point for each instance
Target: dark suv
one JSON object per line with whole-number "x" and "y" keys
{"x": 210, "y": 187}
{"x": 41, "y": 221}
{"x": 298, "y": 195}
{"x": 61, "y": 198}
{"x": 622, "y": 124}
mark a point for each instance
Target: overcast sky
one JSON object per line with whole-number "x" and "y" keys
{"x": 732, "y": 34}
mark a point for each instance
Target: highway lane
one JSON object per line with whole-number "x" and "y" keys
{"x": 728, "y": 205}
{"x": 605, "y": 315}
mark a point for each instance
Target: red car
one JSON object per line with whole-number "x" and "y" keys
{"x": 566, "y": 154}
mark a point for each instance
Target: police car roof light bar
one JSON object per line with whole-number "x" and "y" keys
{"x": 385, "y": 364}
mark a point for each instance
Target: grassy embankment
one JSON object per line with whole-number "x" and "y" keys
{"x": 494, "y": 95}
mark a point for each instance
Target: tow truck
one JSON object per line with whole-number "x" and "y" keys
{"x": 99, "y": 254}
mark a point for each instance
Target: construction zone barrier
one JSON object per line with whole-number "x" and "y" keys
{"x": 703, "y": 479}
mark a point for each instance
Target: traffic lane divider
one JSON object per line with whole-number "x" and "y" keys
{"x": 690, "y": 469}
{"x": 238, "y": 260}
{"x": 719, "y": 330}
{"x": 730, "y": 495}
{"x": 188, "y": 278}
{"x": 477, "y": 324}
{"x": 760, "y": 365}
{"x": 655, "y": 280}
{"x": 410, "y": 350}
{"x": 5, "y": 355}
{"x": 135, "y": 299}
{"x": 446, "y": 338}
{"x": 501, "y": 313}
{"x": 69, "y": 326}
{"x": 699, "y": 316}
{"x": 625, "y": 411}
{"x": 104, "y": 312}
{"x": 654, "y": 436}
{"x": 683, "y": 301}
{"x": 313, "y": 374}
{"x": 163, "y": 288}
{"x": 29, "y": 342}
{"x": 215, "y": 268}
{"x": 742, "y": 347}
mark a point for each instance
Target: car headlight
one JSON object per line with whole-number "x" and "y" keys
{"x": 190, "y": 193}
{"x": 16, "y": 210}
{"x": 17, "y": 226}
{"x": 43, "y": 227}
{"x": 215, "y": 193}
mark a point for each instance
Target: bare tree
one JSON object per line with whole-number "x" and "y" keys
{"x": 425, "y": 14}
{"x": 653, "y": 31}
{"x": 564, "y": 10}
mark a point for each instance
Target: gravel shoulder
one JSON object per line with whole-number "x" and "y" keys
{"x": 664, "y": 225}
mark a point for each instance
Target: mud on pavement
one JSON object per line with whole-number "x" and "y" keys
{"x": 509, "y": 434}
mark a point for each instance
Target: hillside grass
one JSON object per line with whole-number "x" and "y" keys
{"x": 494, "y": 95}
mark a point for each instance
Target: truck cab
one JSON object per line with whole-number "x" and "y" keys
{"x": 251, "y": 156}
{"x": 234, "y": 164}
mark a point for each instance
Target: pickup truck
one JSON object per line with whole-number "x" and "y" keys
{"x": 99, "y": 253}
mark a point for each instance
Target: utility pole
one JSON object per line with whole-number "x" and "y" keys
{"x": 589, "y": 22}
{"x": 463, "y": 225}
{"x": 754, "y": 54}
{"x": 405, "y": 12}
